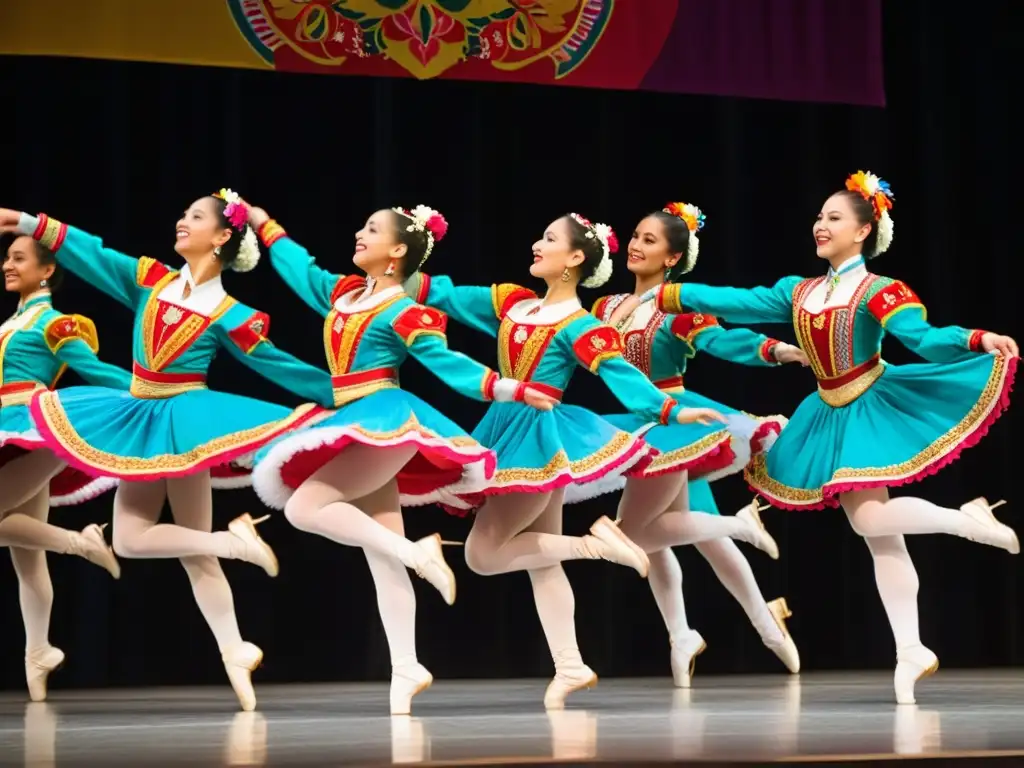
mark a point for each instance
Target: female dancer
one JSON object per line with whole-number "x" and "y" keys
{"x": 347, "y": 477}
{"x": 37, "y": 344}
{"x": 518, "y": 527}
{"x": 872, "y": 425}
{"x": 655, "y": 508}
{"x": 162, "y": 438}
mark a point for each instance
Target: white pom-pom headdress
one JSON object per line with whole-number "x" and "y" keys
{"x": 694, "y": 219}
{"x": 237, "y": 214}
{"x": 609, "y": 245}
{"x": 425, "y": 219}
{"x": 879, "y": 194}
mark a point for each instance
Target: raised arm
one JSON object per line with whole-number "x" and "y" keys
{"x": 422, "y": 329}
{"x": 110, "y": 271}
{"x": 902, "y": 313}
{"x": 74, "y": 342}
{"x": 295, "y": 265}
{"x": 599, "y": 350}
{"x": 737, "y": 305}
{"x": 474, "y": 306}
{"x": 248, "y": 343}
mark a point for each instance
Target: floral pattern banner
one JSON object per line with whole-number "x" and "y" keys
{"x": 757, "y": 48}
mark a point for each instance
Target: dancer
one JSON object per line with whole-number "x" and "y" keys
{"x": 518, "y": 523}
{"x": 162, "y": 438}
{"x": 872, "y": 425}
{"x": 347, "y": 476}
{"x": 37, "y": 344}
{"x": 655, "y": 510}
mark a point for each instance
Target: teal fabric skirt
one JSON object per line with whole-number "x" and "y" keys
{"x": 109, "y": 433}
{"x": 447, "y": 461}
{"x": 912, "y": 422}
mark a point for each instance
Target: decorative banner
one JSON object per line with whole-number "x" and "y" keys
{"x": 806, "y": 50}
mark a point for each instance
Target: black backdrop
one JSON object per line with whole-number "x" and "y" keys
{"x": 119, "y": 149}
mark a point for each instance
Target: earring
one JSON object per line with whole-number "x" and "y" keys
{"x": 565, "y": 275}
{"x": 216, "y": 252}
{"x": 43, "y": 283}
{"x": 390, "y": 270}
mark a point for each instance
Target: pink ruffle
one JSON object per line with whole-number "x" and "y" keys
{"x": 718, "y": 458}
{"x": 476, "y": 500}
{"x": 764, "y": 429}
{"x": 832, "y": 491}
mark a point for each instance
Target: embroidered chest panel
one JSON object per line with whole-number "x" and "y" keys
{"x": 827, "y": 336}
{"x": 521, "y": 347}
{"x": 638, "y": 345}
{"x": 345, "y": 331}
{"x": 169, "y": 330}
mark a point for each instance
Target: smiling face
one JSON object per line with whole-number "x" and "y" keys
{"x": 838, "y": 231}
{"x": 650, "y": 252}
{"x": 555, "y": 252}
{"x": 201, "y": 229}
{"x": 23, "y": 270}
{"x": 377, "y": 243}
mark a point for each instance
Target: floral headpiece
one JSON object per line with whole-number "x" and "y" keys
{"x": 425, "y": 219}
{"x": 694, "y": 219}
{"x": 879, "y": 194}
{"x": 609, "y": 245}
{"x": 237, "y": 214}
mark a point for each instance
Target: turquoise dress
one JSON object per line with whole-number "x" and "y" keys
{"x": 169, "y": 424}
{"x": 661, "y": 345}
{"x": 366, "y": 340}
{"x": 870, "y": 424}
{"x": 37, "y": 345}
{"x": 540, "y": 451}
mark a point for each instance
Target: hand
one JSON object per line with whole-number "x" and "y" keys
{"x": 537, "y": 399}
{"x": 9, "y": 220}
{"x": 700, "y": 416}
{"x": 257, "y": 216}
{"x": 996, "y": 344}
{"x": 788, "y": 353}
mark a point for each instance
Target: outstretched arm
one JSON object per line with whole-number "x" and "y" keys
{"x": 737, "y": 305}
{"x": 73, "y": 340}
{"x": 599, "y": 350}
{"x": 422, "y": 329}
{"x": 478, "y": 307}
{"x": 294, "y": 264}
{"x": 901, "y": 312}
{"x": 700, "y": 332}
{"x": 248, "y": 343}
{"x": 110, "y": 271}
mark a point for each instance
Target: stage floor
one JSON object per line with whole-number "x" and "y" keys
{"x": 772, "y": 718}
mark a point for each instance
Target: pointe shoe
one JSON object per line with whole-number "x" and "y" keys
{"x": 786, "y": 650}
{"x": 608, "y": 542}
{"x": 995, "y": 533}
{"x": 407, "y": 681}
{"x": 912, "y": 664}
{"x": 570, "y": 675}
{"x": 428, "y": 562}
{"x": 93, "y": 547}
{"x": 239, "y": 662}
{"x": 758, "y": 535}
{"x": 256, "y": 550}
{"x": 685, "y": 651}
{"x": 38, "y": 666}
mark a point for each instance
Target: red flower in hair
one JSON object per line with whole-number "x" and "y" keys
{"x": 438, "y": 226}
{"x": 613, "y": 242}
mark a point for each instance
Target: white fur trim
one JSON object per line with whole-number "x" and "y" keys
{"x": 30, "y": 435}
{"x": 97, "y": 487}
{"x": 884, "y": 238}
{"x": 266, "y": 477}
{"x": 231, "y": 483}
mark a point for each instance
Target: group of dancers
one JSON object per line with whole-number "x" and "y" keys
{"x": 345, "y": 464}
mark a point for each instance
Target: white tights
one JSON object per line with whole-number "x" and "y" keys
{"x": 137, "y": 508}
{"x": 655, "y": 513}
{"x": 353, "y": 500}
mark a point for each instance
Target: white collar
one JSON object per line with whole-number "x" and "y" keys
{"x": 201, "y": 298}
{"x": 545, "y": 314}
{"x": 852, "y": 264}
{"x": 363, "y": 300}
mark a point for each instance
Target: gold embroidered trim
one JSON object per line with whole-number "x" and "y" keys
{"x": 351, "y": 393}
{"x": 757, "y": 471}
{"x": 688, "y": 452}
{"x": 560, "y": 461}
{"x": 58, "y": 423}
{"x": 20, "y": 398}
{"x": 851, "y": 390}
{"x": 157, "y": 390}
